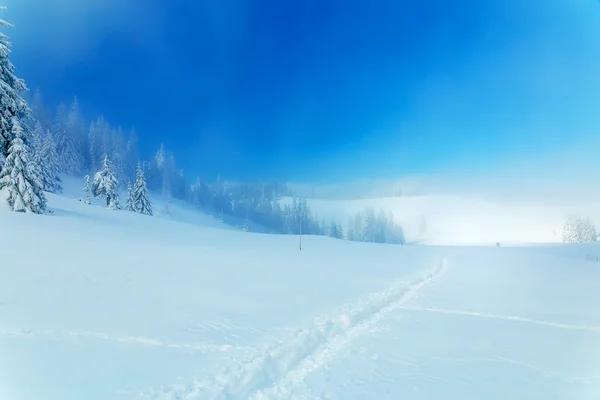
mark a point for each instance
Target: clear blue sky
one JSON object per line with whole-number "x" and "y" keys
{"x": 321, "y": 89}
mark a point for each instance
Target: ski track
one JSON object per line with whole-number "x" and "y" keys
{"x": 278, "y": 370}
{"x": 595, "y": 329}
{"x": 136, "y": 340}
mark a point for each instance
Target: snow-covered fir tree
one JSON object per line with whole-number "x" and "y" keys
{"x": 21, "y": 176}
{"x": 93, "y": 163}
{"x": 106, "y": 186}
{"x": 87, "y": 190}
{"x": 69, "y": 156}
{"x": 130, "y": 199}
{"x": 37, "y": 138}
{"x": 39, "y": 112}
{"x": 132, "y": 156}
{"x": 76, "y": 128}
{"x": 141, "y": 199}
{"x": 13, "y": 108}
{"x": 334, "y": 230}
{"x": 160, "y": 157}
{"x": 49, "y": 165}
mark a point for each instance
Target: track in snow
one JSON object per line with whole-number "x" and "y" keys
{"x": 276, "y": 371}
{"x": 506, "y": 317}
{"x": 135, "y": 340}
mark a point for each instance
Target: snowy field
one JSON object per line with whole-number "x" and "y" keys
{"x": 99, "y": 304}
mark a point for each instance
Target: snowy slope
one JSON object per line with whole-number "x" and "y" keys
{"x": 101, "y": 304}
{"x": 460, "y": 220}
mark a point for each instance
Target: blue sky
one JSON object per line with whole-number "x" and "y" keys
{"x": 321, "y": 90}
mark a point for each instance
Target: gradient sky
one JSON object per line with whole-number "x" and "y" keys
{"x": 325, "y": 90}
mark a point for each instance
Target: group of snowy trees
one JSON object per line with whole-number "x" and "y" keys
{"x": 369, "y": 226}
{"x": 576, "y": 229}
{"x": 37, "y": 145}
{"x": 20, "y": 174}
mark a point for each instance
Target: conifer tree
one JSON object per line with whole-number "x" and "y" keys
{"x": 106, "y": 186}
{"x": 13, "y": 108}
{"x": 87, "y": 190}
{"x": 141, "y": 200}
{"x": 70, "y": 159}
{"x": 21, "y": 176}
{"x": 37, "y": 139}
{"x": 49, "y": 165}
{"x": 92, "y": 149}
{"x": 130, "y": 199}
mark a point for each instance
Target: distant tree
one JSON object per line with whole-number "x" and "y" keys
{"x": 21, "y": 176}
{"x": 130, "y": 199}
{"x": 87, "y": 190}
{"x": 141, "y": 199}
{"x": 106, "y": 185}
{"x": 160, "y": 156}
{"x": 132, "y": 157}
{"x": 39, "y": 112}
{"x": 334, "y": 230}
{"x": 47, "y": 159}
{"x": 76, "y": 128}
{"x": 92, "y": 150}
{"x": 577, "y": 229}
{"x": 37, "y": 138}
{"x": 69, "y": 156}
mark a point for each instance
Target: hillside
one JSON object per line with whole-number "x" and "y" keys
{"x": 102, "y": 304}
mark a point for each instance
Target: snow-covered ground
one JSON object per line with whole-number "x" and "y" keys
{"x": 100, "y": 304}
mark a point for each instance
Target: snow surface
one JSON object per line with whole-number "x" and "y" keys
{"x": 100, "y": 304}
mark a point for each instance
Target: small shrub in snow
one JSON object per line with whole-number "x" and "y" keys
{"x": 577, "y": 229}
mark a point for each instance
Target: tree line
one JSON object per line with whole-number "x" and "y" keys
{"x": 39, "y": 143}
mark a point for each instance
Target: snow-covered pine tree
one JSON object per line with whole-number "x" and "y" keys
{"x": 37, "y": 139}
{"x": 130, "y": 199}
{"x": 69, "y": 157}
{"x": 39, "y": 112}
{"x": 160, "y": 157}
{"x": 13, "y": 108}
{"x": 333, "y": 230}
{"x": 106, "y": 186}
{"x": 369, "y": 225}
{"x": 21, "y": 176}
{"x": 132, "y": 157}
{"x": 87, "y": 190}
{"x": 141, "y": 200}
{"x": 76, "y": 128}
{"x": 49, "y": 165}
{"x": 92, "y": 149}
